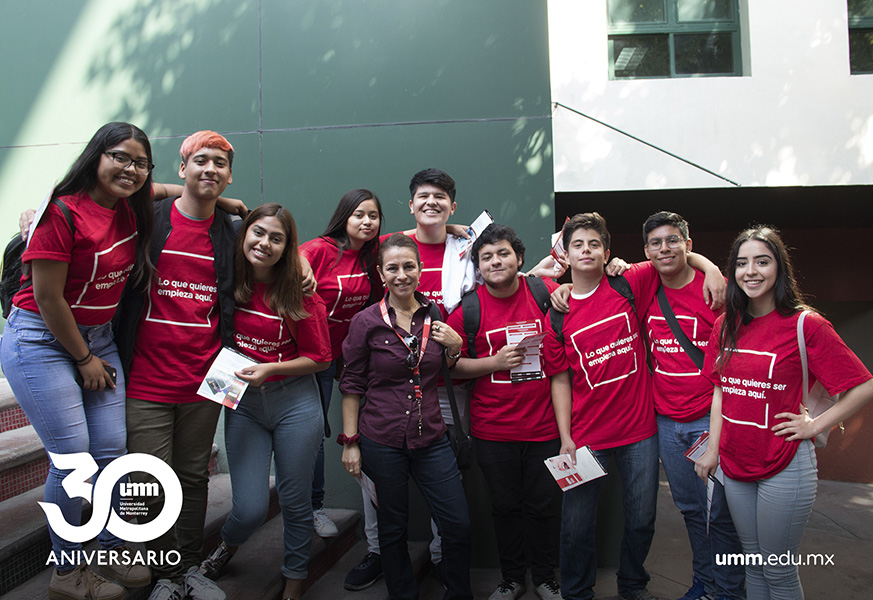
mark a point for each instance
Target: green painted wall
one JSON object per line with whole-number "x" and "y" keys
{"x": 317, "y": 96}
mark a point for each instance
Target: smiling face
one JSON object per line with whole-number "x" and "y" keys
{"x": 206, "y": 173}
{"x": 499, "y": 264}
{"x": 755, "y": 272}
{"x": 587, "y": 254}
{"x": 264, "y": 246}
{"x": 363, "y": 224}
{"x": 400, "y": 272}
{"x": 667, "y": 250}
{"x": 431, "y": 205}
{"x": 115, "y": 180}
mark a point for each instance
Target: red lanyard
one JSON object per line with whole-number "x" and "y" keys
{"x": 416, "y": 377}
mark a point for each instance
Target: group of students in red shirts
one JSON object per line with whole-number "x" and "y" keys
{"x": 132, "y": 296}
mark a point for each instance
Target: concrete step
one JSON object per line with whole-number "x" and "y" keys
{"x": 11, "y": 415}
{"x": 330, "y": 586}
{"x": 23, "y": 461}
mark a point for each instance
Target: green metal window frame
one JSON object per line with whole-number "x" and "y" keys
{"x": 672, "y": 27}
{"x": 860, "y": 24}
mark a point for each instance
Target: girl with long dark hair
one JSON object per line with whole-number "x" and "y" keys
{"x": 58, "y": 350}
{"x": 760, "y": 432}
{"x": 343, "y": 262}
{"x": 280, "y": 414}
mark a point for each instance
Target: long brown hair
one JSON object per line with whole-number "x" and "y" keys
{"x": 786, "y": 293}
{"x": 285, "y": 293}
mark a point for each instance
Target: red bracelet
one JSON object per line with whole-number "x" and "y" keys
{"x": 344, "y": 440}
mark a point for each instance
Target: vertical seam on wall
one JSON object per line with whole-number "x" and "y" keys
{"x": 260, "y": 103}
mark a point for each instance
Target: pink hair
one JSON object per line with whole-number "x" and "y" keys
{"x": 204, "y": 139}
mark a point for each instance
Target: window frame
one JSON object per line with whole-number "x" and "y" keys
{"x": 858, "y": 23}
{"x": 672, "y": 27}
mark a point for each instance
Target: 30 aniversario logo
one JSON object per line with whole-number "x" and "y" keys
{"x": 100, "y": 496}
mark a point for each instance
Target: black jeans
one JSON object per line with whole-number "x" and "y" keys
{"x": 522, "y": 505}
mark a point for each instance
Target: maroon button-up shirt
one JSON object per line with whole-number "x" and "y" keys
{"x": 375, "y": 368}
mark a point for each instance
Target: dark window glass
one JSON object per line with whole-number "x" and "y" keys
{"x": 703, "y": 10}
{"x": 861, "y": 8}
{"x": 635, "y": 11}
{"x": 709, "y": 53}
{"x": 861, "y": 50}
{"x": 641, "y": 55}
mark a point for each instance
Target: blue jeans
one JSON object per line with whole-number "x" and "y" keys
{"x": 638, "y": 468}
{"x": 435, "y": 472}
{"x": 689, "y": 496}
{"x": 67, "y": 418}
{"x": 770, "y": 516}
{"x": 325, "y": 388}
{"x": 523, "y": 495}
{"x": 280, "y": 419}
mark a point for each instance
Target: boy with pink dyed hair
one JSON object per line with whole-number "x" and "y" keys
{"x": 169, "y": 330}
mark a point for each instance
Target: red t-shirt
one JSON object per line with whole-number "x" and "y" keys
{"x": 500, "y": 410}
{"x": 264, "y": 336}
{"x": 178, "y": 335}
{"x": 343, "y": 287}
{"x": 764, "y": 378}
{"x": 431, "y": 281}
{"x": 681, "y": 392}
{"x": 100, "y": 256}
{"x": 612, "y": 396}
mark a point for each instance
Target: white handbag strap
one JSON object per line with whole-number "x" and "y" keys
{"x": 801, "y": 343}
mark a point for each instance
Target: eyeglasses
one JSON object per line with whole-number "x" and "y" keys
{"x": 412, "y": 343}
{"x": 123, "y": 160}
{"x": 673, "y": 242}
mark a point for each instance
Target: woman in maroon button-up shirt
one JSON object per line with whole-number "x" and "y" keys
{"x": 393, "y": 356}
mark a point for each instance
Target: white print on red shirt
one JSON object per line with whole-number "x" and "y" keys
{"x": 107, "y": 281}
{"x": 261, "y": 345}
{"x": 612, "y": 362}
{"x": 755, "y": 389}
{"x": 662, "y": 342}
{"x": 175, "y": 294}
{"x": 348, "y": 302}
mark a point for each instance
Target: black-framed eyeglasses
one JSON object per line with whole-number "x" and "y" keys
{"x": 411, "y": 342}
{"x": 673, "y": 242}
{"x": 124, "y": 160}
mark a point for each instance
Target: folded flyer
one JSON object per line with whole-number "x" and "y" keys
{"x": 221, "y": 384}
{"x": 567, "y": 475}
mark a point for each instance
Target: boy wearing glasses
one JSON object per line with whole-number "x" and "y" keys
{"x": 682, "y": 400}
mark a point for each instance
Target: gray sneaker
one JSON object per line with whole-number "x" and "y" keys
{"x": 548, "y": 590}
{"x": 508, "y": 590}
{"x": 198, "y": 587}
{"x": 82, "y": 583}
{"x": 167, "y": 590}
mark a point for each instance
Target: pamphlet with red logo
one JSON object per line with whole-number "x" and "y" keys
{"x": 221, "y": 384}
{"x": 568, "y": 475}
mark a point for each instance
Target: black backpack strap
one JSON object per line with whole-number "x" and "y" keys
{"x": 436, "y": 315}
{"x": 693, "y": 352}
{"x": 472, "y": 319}
{"x": 556, "y": 318}
{"x": 540, "y": 293}
{"x": 621, "y": 285}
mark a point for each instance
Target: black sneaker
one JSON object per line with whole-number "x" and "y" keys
{"x": 365, "y": 574}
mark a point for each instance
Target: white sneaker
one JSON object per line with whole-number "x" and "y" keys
{"x": 198, "y": 587}
{"x": 167, "y": 590}
{"x": 324, "y": 526}
{"x": 508, "y": 590}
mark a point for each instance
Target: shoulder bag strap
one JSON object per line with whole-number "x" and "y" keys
{"x": 693, "y": 352}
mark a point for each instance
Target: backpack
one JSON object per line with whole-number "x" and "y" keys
{"x": 619, "y": 284}
{"x": 473, "y": 310}
{"x": 10, "y": 278}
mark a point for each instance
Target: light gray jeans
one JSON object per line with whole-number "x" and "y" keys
{"x": 770, "y": 516}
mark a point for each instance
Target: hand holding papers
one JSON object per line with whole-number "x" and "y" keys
{"x": 523, "y": 335}
{"x": 475, "y": 230}
{"x": 220, "y": 384}
{"x": 569, "y": 476}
